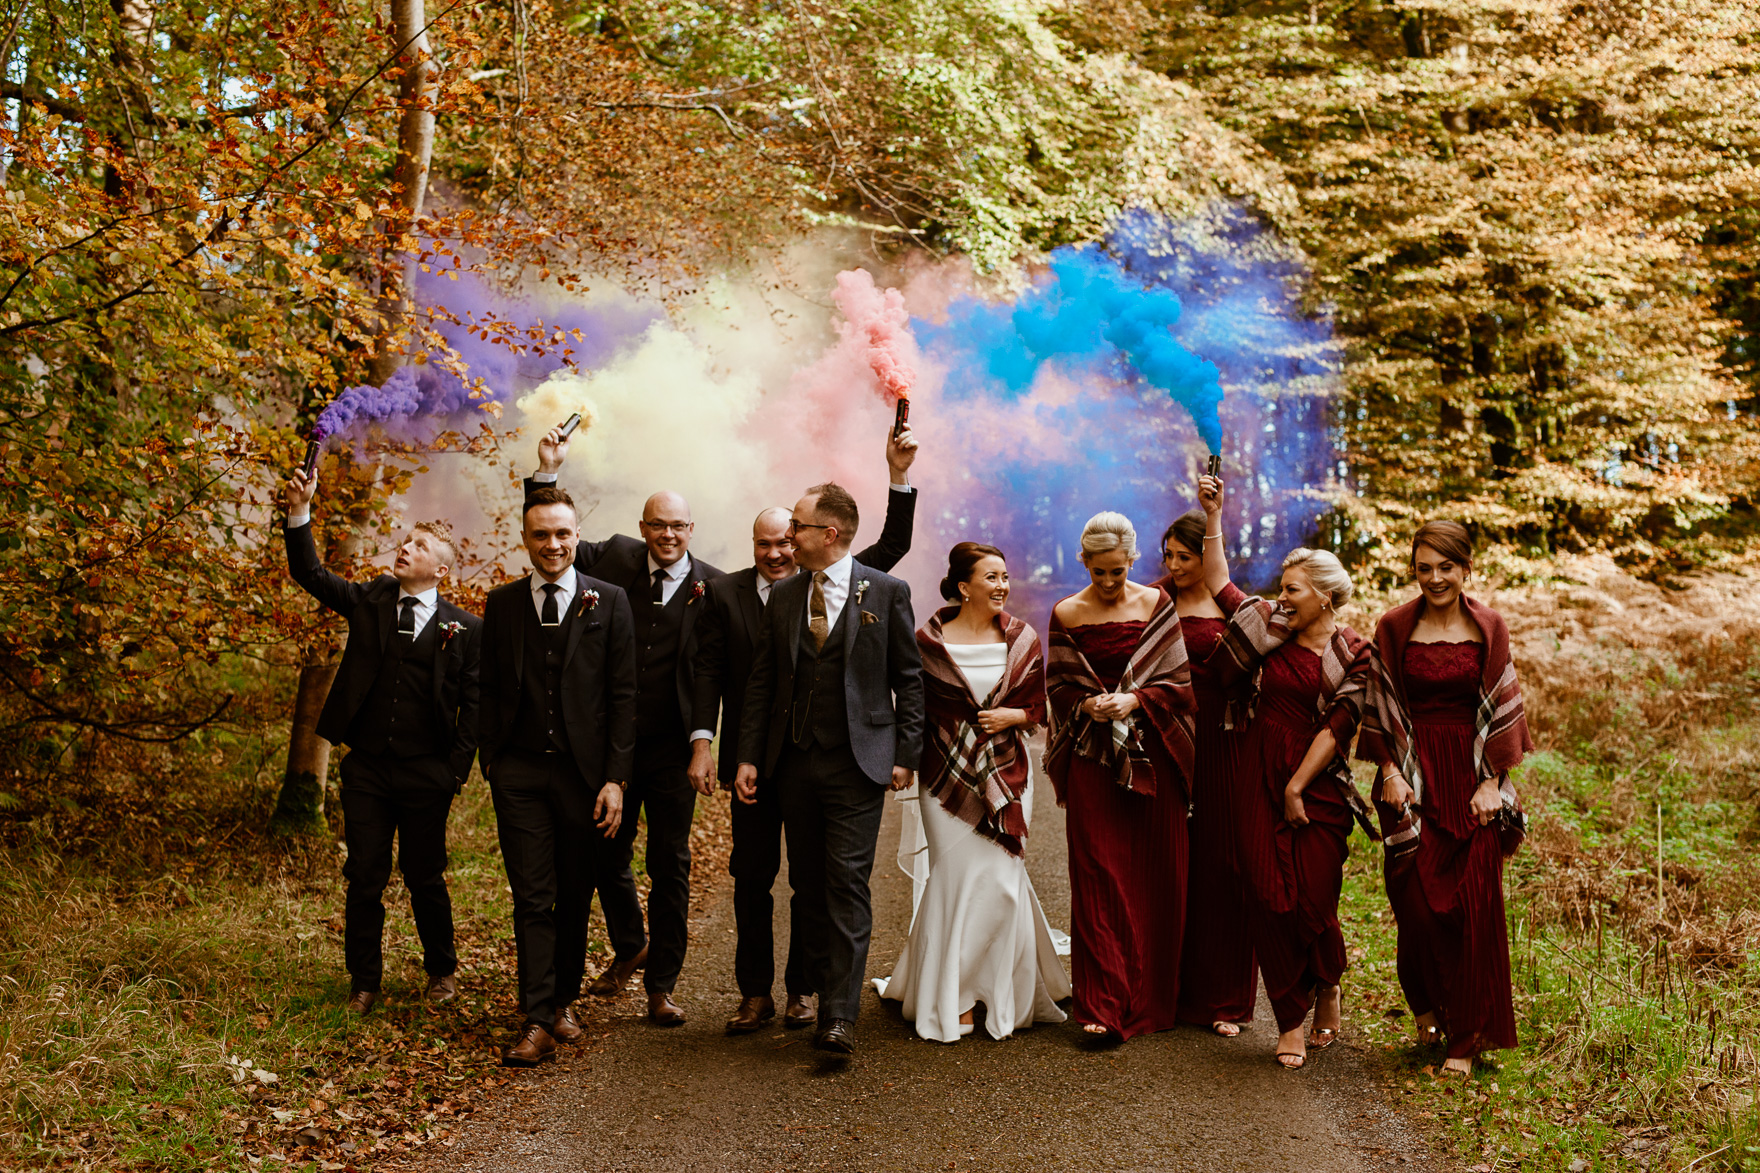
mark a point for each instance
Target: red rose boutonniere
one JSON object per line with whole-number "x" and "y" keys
{"x": 589, "y": 600}
{"x": 449, "y": 629}
{"x": 696, "y": 591}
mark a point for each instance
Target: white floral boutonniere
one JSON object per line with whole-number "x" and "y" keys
{"x": 449, "y": 629}
{"x": 861, "y": 589}
{"x": 589, "y": 600}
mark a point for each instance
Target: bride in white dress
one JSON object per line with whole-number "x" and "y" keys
{"x": 977, "y": 933}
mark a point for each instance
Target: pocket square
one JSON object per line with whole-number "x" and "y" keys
{"x": 869, "y": 617}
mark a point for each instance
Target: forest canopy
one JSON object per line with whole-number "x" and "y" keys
{"x": 1531, "y": 226}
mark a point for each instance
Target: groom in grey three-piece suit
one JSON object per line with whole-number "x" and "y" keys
{"x": 833, "y": 718}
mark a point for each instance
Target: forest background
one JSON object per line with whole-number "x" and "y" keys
{"x": 1531, "y": 226}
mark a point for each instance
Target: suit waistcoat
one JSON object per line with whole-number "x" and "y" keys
{"x": 659, "y": 633}
{"x": 538, "y": 723}
{"x": 398, "y": 717}
{"x": 820, "y": 712}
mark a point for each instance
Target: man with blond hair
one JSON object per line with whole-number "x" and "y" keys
{"x": 404, "y": 702}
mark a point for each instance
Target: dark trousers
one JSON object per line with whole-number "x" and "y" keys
{"x": 409, "y": 799}
{"x": 661, "y": 787}
{"x": 756, "y": 858}
{"x": 549, "y": 845}
{"x": 831, "y": 811}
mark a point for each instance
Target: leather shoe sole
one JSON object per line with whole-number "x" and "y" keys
{"x": 616, "y": 976}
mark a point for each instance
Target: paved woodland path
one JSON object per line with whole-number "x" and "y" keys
{"x": 637, "y": 1097}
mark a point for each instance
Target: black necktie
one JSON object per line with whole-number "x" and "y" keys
{"x": 659, "y": 592}
{"x": 406, "y": 622}
{"x": 549, "y": 616}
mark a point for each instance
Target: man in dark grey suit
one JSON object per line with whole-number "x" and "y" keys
{"x": 833, "y": 717}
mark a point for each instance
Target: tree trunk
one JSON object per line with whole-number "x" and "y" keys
{"x": 415, "y": 148}
{"x": 299, "y": 808}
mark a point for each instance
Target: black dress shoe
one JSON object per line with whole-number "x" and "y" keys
{"x": 838, "y": 1035}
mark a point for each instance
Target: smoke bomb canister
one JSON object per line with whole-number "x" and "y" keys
{"x": 901, "y": 417}
{"x": 313, "y": 450}
{"x": 569, "y": 425}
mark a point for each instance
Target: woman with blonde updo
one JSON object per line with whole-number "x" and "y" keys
{"x": 1120, "y": 757}
{"x": 1294, "y": 799}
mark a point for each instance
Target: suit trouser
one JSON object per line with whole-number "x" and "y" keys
{"x": 544, "y": 814}
{"x": 408, "y": 798}
{"x": 832, "y": 814}
{"x": 662, "y": 787}
{"x": 756, "y": 858}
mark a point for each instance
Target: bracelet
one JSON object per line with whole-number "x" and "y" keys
{"x": 1217, "y": 534}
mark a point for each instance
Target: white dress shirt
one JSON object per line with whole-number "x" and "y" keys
{"x": 564, "y": 597}
{"x": 674, "y": 576}
{"x": 426, "y": 603}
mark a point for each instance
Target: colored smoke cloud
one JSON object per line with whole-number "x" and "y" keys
{"x": 1100, "y": 386}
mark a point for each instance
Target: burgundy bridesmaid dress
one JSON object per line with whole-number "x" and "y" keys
{"x": 1127, "y": 869}
{"x": 1447, "y": 896}
{"x": 1218, "y": 977}
{"x": 1292, "y": 875}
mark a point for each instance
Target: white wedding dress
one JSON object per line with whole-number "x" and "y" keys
{"x": 977, "y": 932}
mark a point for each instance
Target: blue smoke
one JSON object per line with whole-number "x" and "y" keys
{"x": 1160, "y": 313}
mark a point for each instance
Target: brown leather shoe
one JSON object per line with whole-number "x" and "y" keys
{"x": 800, "y": 1013}
{"x": 616, "y": 976}
{"x": 752, "y": 1013}
{"x": 534, "y": 1046}
{"x": 441, "y": 988}
{"x": 566, "y": 1029}
{"x": 362, "y": 1001}
{"x": 663, "y": 1011}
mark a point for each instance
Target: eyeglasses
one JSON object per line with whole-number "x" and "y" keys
{"x": 675, "y": 527}
{"x": 794, "y": 525}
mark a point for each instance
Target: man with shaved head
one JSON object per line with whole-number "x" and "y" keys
{"x": 734, "y": 605}
{"x": 666, "y": 586}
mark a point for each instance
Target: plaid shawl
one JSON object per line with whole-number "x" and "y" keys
{"x": 1500, "y": 738}
{"x": 1157, "y": 672}
{"x": 1254, "y": 632}
{"x": 979, "y": 777}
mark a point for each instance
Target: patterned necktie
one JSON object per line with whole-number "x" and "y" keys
{"x": 550, "y": 617}
{"x": 406, "y": 622}
{"x": 658, "y": 594}
{"x": 817, "y": 622}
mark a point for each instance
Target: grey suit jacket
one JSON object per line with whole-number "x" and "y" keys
{"x": 883, "y": 675}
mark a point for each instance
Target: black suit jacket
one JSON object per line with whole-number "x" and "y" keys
{"x": 728, "y": 630}
{"x": 883, "y": 675}
{"x": 598, "y": 678}
{"x": 623, "y": 561}
{"x": 371, "y": 611}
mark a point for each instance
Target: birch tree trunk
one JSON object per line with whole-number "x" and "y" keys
{"x": 415, "y": 148}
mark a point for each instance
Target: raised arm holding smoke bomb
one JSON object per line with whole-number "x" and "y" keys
{"x": 405, "y": 703}
{"x": 666, "y": 585}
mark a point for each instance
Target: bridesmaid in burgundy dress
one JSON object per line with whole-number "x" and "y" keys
{"x": 1119, "y": 756}
{"x": 1218, "y": 980}
{"x": 1445, "y": 724}
{"x": 1294, "y": 798}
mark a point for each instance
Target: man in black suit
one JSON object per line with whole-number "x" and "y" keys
{"x": 833, "y": 716}
{"x": 558, "y": 735}
{"x": 404, "y": 702}
{"x": 735, "y": 603}
{"x": 666, "y": 585}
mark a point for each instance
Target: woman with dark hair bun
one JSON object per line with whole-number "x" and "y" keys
{"x": 1219, "y": 980}
{"x": 1444, "y": 722}
{"x": 977, "y": 933}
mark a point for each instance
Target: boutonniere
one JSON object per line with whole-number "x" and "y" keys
{"x": 861, "y": 589}
{"x": 449, "y": 629}
{"x": 589, "y": 600}
{"x": 696, "y": 591}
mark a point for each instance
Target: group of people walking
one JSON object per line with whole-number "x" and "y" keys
{"x": 1198, "y": 738}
